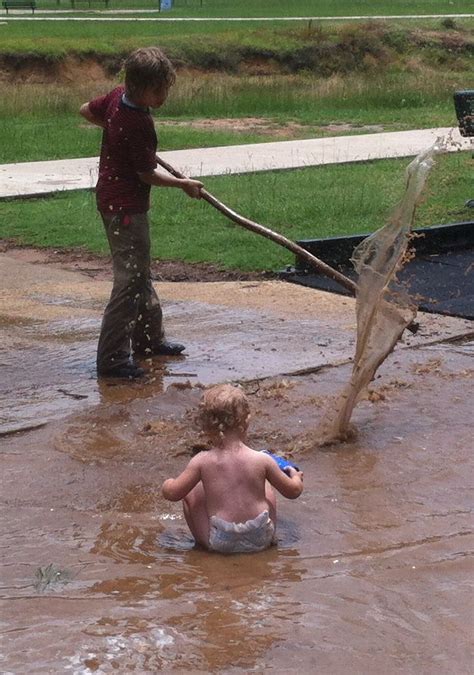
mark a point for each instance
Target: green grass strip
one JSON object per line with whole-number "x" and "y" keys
{"x": 308, "y": 203}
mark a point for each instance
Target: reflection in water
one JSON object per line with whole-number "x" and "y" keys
{"x": 108, "y": 430}
{"x": 134, "y": 420}
{"x": 87, "y": 438}
{"x": 48, "y": 371}
{"x": 213, "y": 609}
{"x": 44, "y": 365}
{"x": 132, "y": 644}
{"x": 372, "y": 569}
{"x": 127, "y": 542}
{"x": 233, "y": 604}
{"x": 118, "y": 391}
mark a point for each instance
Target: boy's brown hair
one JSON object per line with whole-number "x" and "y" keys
{"x": 224, "y": 408}
{"x": 148, "y": 67}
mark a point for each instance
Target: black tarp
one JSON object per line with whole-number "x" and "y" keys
{"x": 440, "y": 277}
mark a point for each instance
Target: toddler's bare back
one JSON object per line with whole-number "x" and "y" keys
{"x": 234, "y": 482}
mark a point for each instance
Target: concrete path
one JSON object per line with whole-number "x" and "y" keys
{"x": 41, "y": 178}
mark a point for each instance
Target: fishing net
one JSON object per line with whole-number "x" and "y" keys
{"x": 384, "y": 309}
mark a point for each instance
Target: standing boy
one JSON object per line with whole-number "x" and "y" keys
{"x": 228, "y": 501}
{"x": 132, "y": 322}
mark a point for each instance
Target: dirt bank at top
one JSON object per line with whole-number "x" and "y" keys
{"x": 42, "y": 69}
{"x": 324, "y": 52}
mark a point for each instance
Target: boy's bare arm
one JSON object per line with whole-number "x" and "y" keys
{"x": 161, "y": 179}
{"x": 290, "y": 486}
{"x": 86, "y": 113}
{"x": 176, "y": 489}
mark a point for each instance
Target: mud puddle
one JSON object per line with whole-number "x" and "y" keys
{"x": 99, "y": 573}
{"x": 371, "y": 573}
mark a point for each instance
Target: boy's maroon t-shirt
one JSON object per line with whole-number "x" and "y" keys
{"x": 129, "y": 146}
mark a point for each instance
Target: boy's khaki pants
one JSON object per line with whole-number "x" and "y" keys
{"x": 132, "y": 320}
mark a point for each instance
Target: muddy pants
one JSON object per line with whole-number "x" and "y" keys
{"x": 133, "y": 318}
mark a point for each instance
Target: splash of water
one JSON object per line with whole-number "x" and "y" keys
{"x": 383, "y": 310}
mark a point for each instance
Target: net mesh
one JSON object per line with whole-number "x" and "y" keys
{"x": 383, "y": 308}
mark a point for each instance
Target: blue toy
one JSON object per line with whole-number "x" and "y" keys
{"x": 282, "y": 462}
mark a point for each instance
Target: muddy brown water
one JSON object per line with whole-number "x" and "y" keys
{"x": 99, "y": 574}
{"x": 371, "y": 570}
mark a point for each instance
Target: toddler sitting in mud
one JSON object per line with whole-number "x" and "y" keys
{"x": 228, "y": 501}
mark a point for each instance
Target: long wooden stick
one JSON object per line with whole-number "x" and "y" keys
{"x": 318, "y": 264}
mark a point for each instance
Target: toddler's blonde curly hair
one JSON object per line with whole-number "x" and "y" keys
{"x": 224, "y": 408}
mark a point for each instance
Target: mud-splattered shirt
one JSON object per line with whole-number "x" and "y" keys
{"x": 129, "y": 146}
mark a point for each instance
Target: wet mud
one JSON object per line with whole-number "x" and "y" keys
{"x": 99, "y": 574}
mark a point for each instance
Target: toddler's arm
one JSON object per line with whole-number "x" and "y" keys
{"x": 176, "y": 489}
{"x": 289, "y": 484}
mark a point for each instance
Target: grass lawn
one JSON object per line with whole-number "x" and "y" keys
{"x": 39, "y": 122}
{"x": 307, "y": 76}
{"x": 59, "y": 37}
{"x": 281, "y": 7}
{"x": 307, "y": 203}
{"x": 41, "y": 137}
{"x": 373, "y": 74}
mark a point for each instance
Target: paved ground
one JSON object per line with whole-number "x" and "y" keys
{"x": 39, "y": 178}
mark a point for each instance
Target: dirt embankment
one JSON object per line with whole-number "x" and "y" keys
{"x": 43, "y": 69}
{"x": 355, "y": 48}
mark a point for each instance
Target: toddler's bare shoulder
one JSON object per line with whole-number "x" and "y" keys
{"x": 205, "y": 457}
{"x": 260, "y": 458}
